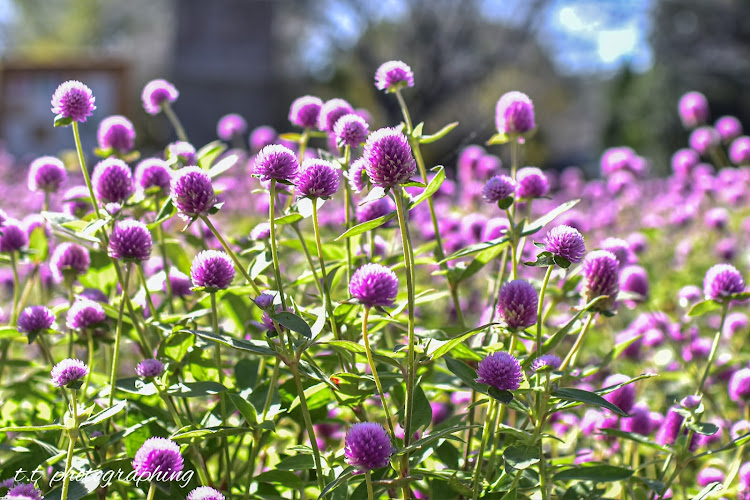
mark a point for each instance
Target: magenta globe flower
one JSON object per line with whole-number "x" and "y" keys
{"x": 276, "y": 162}
{"x": 501, "y": 371}
{"x": 193, "y": 192}
{"x": 116, "y": 133}
{"x": 85, "y": 313}
{"x": 212, "y": 269}
{"x": 180, "y": 283}
{"x": 531, "y": 183}
{"x": 684, "y": 161}
{"x": 153, "y": 175}
{"x": 130, "y": 241}
{"x": 729, "y": 128}
{"x": 367, "y": 446}
{"x": 392, "y": 76}
{"x": 634, "y": 279}
{"x": 74, "y": 101}
{"x": 69, "y": 259}
{"x": 47, "y": 174}
{"x": 149, "y": 368}
{"x": 330, "y": 112}
{"x": 318, "y": 179}
{"x": 13, "y": 237}
{"x": 620, "y": 249}
{"x": 374, "y": 209}
{"x": 77, "y": 201}
{"x": 566, "y": 242}
{"x": 545, "y": 362}
{"x": 68, "y": 371}
{"x": 261, "y": 232}
{"x": 517, "y": 304}
{"x": 350, "y": 130}
{"x": 34, "y": 319}
{"x": 703, "y": 139}
{"x": 498, "y": 188}
{"x": 112, "y": 181}
{"x": 262, "y": 136}
{"x": 158, "y": 459}
{"x": 374, "y": 285}
{"x": 721, "y": 282}
{"x": 601, "y": 277}
{"x": 357, "y": 175}
{"x": 231, "y": 126}
{"x": 624, "y": 397}
{"x": 156, "y": 93}
{"x": 388, "y": 156}
{"x": 205, "y": 493}
{"x": 183, "y": 151}
{"x": 739, "y": 151}
{"x": 23, "y": 491}
{"x": 514, "y": 114}
{"x": 304, "y": 111}
{"x": 693, "y": 109}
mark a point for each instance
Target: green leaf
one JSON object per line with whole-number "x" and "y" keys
{"x": 632, "y": 436}
{"x": 62, "y": 121}
{"x": 467, "y": 374}
{"x": 78, "y": 488}
{"x": 505, "y": 397}
{"x": 341, "y": 478}
{"x": 196, "y": 389}
{"x": 434, "y": 436}
{"x": 544, "y": 259}
{"x": 704, "y": 428}
{"x": 427, "y": 139}
{"x": 33, "y": 428}
{"x": 375, "y": 193}
{"x": 288, "y": 219}
{"x": 480, "y": 261}
{"x": 431, "y": 188}
{"x": 291, "y": 137}
{"x": 416, "y": 133}
{"x": 223, "y": 165}
{"x": 208, "y": 153}
{"x": 586, "y": 397}
{"x": 549, "y": 217}
{"x": 439, "y": 348}
{"x": 472, "y": 249}
{"x": 242, "y": 345}
{"x": 703, "y": 307}
{"x": 105, "y": 414}
{"x": 422, "y": 409}
{"x": 348, "y": 345}
{"x": 521, "y": 457}
{"x": 167, "y": 210}
{"x": 297, "y": 462}
{"x": 708, "y": 490}
{"x": 366, "y": 226}
{"x": 596, "y": 473}
{"x": 38, "y": 245}
{"x": 293, "y": 322}
{"x": 9, "y": 332}
{"x": 134, "y": 385}
{"x": 497, "y": 139}
{"x": 246, "y": 408}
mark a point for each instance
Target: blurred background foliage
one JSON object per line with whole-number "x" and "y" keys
{"x": 601, "y": 72}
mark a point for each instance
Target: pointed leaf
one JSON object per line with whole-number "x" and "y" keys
{"x": 427, "y": 139}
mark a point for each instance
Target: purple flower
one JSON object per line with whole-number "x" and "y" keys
{"x": 736, "y": 322}
{"x": 498, "y": 188}
{"x": 729, "y": 128}
{"x": 130, "y": 240}
{"x": 318, "y": 179}
{"x": 670, "y": 428}
{"x": 276, "y": 162}
{"x": 703, "y": 139}
{"x": 639, "y": 420}
{"x": 34, "y": 319}
{"x": 374, "y": 285}
{"x": 47, "y": 174}
{"x": 367, "y": 446}
{"x": 501, "y": 371}
{"x": 205, "y": 493}
{"x": 230, "y": 126}
{"x": 601, "y": 277}
{"x": 73, "y": 100}
{"x": 624, "y": 397}
{"x": 330, "y": 112}
{"x": 68, "y": 371}
{"x": 617, "y": 159}
{"x": 391, "y": 76}
{"x": 149, "y": 368}
{"x": 545, "y": 362}
{"x": 261, "y": 232}
{"x": 739, "y": 151}
{"x": 153, "y": 173}
{"x": 634, "y": 279}
{"x": 357, "y": 176}
{"x": 158, "y": 459}
{"x": 85, "y": 313}
{"x": 514, "y": 114}
{"x": 739, "y": 386}
{"x": 566, "y": 242}
{"x": 180, "y": 283}
{"x": 374, "y": 209}
{"x": 721, "y": 282}
{"x": 156, "y": 93}
{"x": 112, "y": 181}
{"x": 531, "y": 183}
{"x": 192, "y": 191}
{"x": 69, "y": 259}
{"x": 717, "y": 218}
{"x": 94, "y": 294}
{"x": 620, "y": 249}
{"x": 13, "y": 237}
{"x": 304, "y": 111}
{"x": 517, "y": 304}
{"x": 77, "y": 201}
{"x": 262, "y": 136}
{"x": 693, "y": 109}
{"x": 389, "y": 158}
{"x": 709, "y": 475}
{"x": 264, "y": 300}
{"x": 212, "y": 269}
{"x": 350, "y": 130}
{"x": 24, "y": 491}
{"x": 183, "y": 151}
{"x": 684, "y": 161}
{"x": 116, "y": 132}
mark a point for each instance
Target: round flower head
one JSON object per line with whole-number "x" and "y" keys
{"x": 601, "y": 277}
{"x": 112, "y": 180}
{"x": 261, "y": 232}
{"x": 498, "y": 188}
{"x": 546, "y": 361}
{"x": 84, "y": 313}
{"x": 357, "y": 176}
{"x": 739, "y": 151}
{"x": 517, "y": 304}
{"x": 276, "y": 162}
{"x": 374, "y": 285}
{"x": 330, "y": 112}
{"x": 230, "y": 126}
{"x": 709, "y": 475}
{"x": 205, "y": 493}
{"x": 739, "y": 386}
{"x": 183, "y": 151}
{"x": 304, "y": 111}
{"x": 180, "y": 283}
{"x": 634, "y": 279}
{"x": 117, "y": 133}
{"x": 148, "y": 368}
{"x": 722, "y": 281}
{"x": 68, "y": 371}
{"x": 47, "y": 174}
{"x": 514, "y": 114}
{"x": 620, "y": 249}
{"x": 703, "y": 139}
{"x": 34, "y": 319}
{"x": 130, "y": 240}
{"x": 501, "y": 371}
{"x": 94, "y": 294}
{"x": 389, "y": 158}
{"x": 13, "y": 237}
{"x": 531, "y": 183}
{"x": 624, "y": 397}
{"x": 69, "y": 259}
{"x": 639, "y": 420}
{"x": 566, "y": 242}
{"x": 374, "y": 209}
{"x": 212, "y": 269}
{"x": 157, "y": 92}
{"x": 670, "y": 428}
{"x": 617, "y": 159}
{"x": 350, "y": 130}
{"x": 153, "y": 174}
{"x": 693, "y": 109}
{"x": 394, "y": 75}
{"x": 729, "y": 128}
{"x": 77, "y": 201}
{"x": 73, "y": 100}
{"x": 318, "y": 179}
{"x": 367, "y": 446}
{"x": 262, "y": 136}
{"x": 24, "y": 491}
{"x": 264, "y": 300}
{"x": 192, "y": 191}
{"x": 158, "y": 456}
{"x": 684, "y": 161}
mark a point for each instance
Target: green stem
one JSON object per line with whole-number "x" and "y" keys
{"x": 118, "y": 334}
{"x": 274, "y": 251}
{"x": 164, "y": 261}
{"x": 82, "y": 162}
{"x": 491, "y": 414}
{"x": 308, "y": 423}
{"x": 72, "y": 434}
{"x": 16, "y": 287}
{"x": 375, "y": 373}
{"x": 231, "y": 253}
{"x": 539, "y": 311}
{"x": 172, "y": 117}
{"x": 151, "y": 491}
{"x": 309, "y": 258}
{"x": 222, "y": 399}
{"x": 90, "y": 341}
{"x": 257, "y": 434}
{"x": 571, "y": 355}
{"x": 303, "y": 144}
{"x": 326, "y": 289}
{"x": 348, "y": 206}
{"x": 142, "y": 277}
{"x": 368, "y": 480}
{"x": 714, "y": 347}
